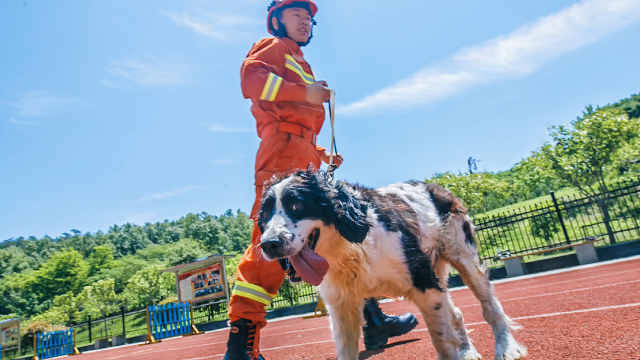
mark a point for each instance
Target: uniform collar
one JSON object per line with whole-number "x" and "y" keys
{"x": 292, "y": 45}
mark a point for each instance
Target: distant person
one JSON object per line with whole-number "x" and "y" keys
{"x": 287, "y": 103}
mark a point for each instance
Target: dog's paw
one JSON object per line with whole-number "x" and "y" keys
{"x": 509, "y": 349}
{"x": 470, "y": 354}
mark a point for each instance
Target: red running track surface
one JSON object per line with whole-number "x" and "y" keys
{"x": 588, "y": 313}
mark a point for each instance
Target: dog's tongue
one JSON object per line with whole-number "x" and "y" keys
{"x": 310, "y": 266}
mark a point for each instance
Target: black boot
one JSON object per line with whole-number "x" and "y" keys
{"x": 380, "y": 327}
{"x": 243, "y": 343}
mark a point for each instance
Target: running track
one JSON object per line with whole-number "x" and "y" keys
{"x": 586, "y": 313}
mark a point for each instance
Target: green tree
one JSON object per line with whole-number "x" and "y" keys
{"x": 580, "y": 154}
{"x": 183, "y": 251}
{"x": 65, "y": 271}
{"x": 101, "y": 258}
{"x": 100, "y": 299}
{"x": 626, "y": 161}
{"x": 121, "y": 271}
{"x": 480, "y": 192}
{"x": 148, "y": 286}
{"x": 67, "y": 306}
{"x": 534, "y": 176}
{"x": 544, "y": 226}
{"x": 15, "y": 296}
{"x": 14, "y": 260}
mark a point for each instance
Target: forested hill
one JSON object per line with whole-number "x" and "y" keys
{"x": 67, "y": 278}
{"x": 34, "y": 271}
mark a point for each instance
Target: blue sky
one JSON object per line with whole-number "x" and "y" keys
{"x": 130, "y": 111}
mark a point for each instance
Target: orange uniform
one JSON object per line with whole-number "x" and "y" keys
{"x": 274, "y": 76}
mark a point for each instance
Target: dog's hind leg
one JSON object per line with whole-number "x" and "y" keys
{"x": 346, "y": 321}
{"x": 466, "y": 350}
{"x": 437, "y": 313}
{"x": 462, "y": 254}
{"x": 507, "y": 348}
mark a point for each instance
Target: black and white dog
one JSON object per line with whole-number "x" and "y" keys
{"x": 394, "y": 241}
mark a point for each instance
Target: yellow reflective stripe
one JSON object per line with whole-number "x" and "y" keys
{"x": 251, "y": 296}
{"x": 291, "y": 61}
{"x": 293, "y": 65}
{"x": 253, "y": 292}
{"x": 276, "y": 88}
{"x": 254, "y": 287}
{"x": 271, "y": 87}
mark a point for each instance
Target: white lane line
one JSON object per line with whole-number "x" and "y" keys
{"x": 501, "y": 292}
{"x": 569, "y": 269}
{"x": 603, "y": 308}
{"x": 616, "y": 274}
{"x": 561, "y": 313}
{"x": 558, "y": 292}
{"x": 477, "y": 304}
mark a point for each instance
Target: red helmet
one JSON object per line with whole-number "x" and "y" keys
{"x": 280, "y": 4}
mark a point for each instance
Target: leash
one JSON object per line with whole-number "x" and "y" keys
{"x": 332, "y": 147}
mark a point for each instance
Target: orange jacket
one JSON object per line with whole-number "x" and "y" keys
{"x": 274, "y": 76}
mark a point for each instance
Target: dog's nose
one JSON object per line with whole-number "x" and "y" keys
{"x": 274, "y": 245}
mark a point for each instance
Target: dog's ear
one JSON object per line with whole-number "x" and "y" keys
{"x": 350, "y": 214}
{"x": 339, "y": 205}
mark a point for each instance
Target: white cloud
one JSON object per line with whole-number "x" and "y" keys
{"x": 220, "y": 27}
{"x": 219, "y": 128}
{"x": 170, "y": 194}
{"x": 148, "y": 72}
{"x": 42, "y": 104}
{"x": 519, "y": 53}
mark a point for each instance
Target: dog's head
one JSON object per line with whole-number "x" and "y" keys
{"x": 296, "y": 209}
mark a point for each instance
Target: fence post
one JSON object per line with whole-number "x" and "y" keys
{"x": 124, "y": 329}
{"x": 75, "y": 342}
{"x": 89, "y": 323}
{"x": 564, "y": 229}
{"x": 35, "y": 352}
{"x": 150, "y": 338}
{"x": 194, "y": 329}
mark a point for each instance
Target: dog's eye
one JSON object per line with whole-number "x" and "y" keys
{"x": 297, "y": 206}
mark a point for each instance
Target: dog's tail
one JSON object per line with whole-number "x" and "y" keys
{"x": 457, "y": 225}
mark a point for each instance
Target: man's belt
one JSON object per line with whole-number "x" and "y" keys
{"x": 289, "y": 128}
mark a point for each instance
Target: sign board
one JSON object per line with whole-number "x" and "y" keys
{"x": 10, "y": 334}
{"x": 203, "y": 280}
{"x": 202, "y": 284}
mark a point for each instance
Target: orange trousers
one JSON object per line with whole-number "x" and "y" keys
{"x": 279, "y": 154}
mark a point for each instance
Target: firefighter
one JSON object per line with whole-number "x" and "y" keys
{"x": 287, "y": 103}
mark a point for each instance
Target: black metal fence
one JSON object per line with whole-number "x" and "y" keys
{"x": 610, "y": 216}
{"x": 289, "y": 295}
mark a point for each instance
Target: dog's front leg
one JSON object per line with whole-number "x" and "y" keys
{"x": 346, "y": 320}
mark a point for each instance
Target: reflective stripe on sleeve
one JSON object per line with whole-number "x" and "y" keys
{"x": 253, "y": 292}
{"x": 292, "y": 64}
{"x": 271, "y": 87}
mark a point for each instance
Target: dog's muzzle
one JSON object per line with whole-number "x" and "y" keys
{"x": 274, "y": 246}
